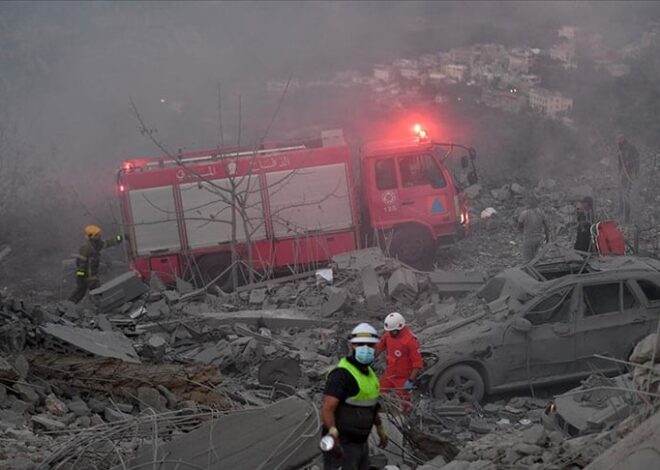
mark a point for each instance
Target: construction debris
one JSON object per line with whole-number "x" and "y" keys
{"x": 283, "y": 435}
{"x": 97, "y": 343}
{"x": 118, "y": 291}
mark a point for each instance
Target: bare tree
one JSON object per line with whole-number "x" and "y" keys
{"x": 238, "y": 194}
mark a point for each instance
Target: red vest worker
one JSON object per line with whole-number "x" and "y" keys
{"x": 404, "y": 360}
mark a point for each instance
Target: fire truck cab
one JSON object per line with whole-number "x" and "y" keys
{"x": 412, "y": 198}
{"x": 286, "y": 205}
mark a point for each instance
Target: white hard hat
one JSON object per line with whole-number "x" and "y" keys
{"x": 394, "y": 321}
{"x": 364, "y": 333}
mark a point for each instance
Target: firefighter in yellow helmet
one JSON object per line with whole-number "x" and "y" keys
{"x": 88, "y": 261}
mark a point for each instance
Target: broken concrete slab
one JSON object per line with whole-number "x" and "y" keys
{"x": 402, "y": 285}
{"x": 337, "y": 299}
{"x": 271, "y": 319}
{"x": 252, "y": 438}
{"x": 639, "y": 450}
{"x": 280, "y": 370}
{"x": 371, "y": 289}
{"x": 257, "y": 296}
{"x": 112, "y": 415}
{"x": 219, "y": 354}
{"x": 47, "y": 423}
{"x": 7, "y": 371}
{"x": 597, "y": 403}
{"x": 11, "y": 419}
{"x": 183, "y": 287}
{"x": 149, "y": 397}
{"x": 450, "y": 283}
{"x": 79, "y": 407}
{"x": 157, "y": 310}
{"x": 156, "y": 284}
{"x": 360, "y": 259}
{"x": 99, "y": 343}
{"x": 646, "y": 349}
{"x": 55, "y": 406}
{"x": 118, "y": 291}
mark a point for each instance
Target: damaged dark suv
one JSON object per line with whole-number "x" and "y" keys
{"x": 543, "y": 324}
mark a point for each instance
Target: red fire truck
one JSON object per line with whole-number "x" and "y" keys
{"x": 290, "y": 205}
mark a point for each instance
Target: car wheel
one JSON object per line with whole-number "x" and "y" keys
{"x": 462, "y": 383}
{"x": 414, "y": 246}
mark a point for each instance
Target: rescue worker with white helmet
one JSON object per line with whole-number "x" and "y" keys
{"x": 89, "y": 259}
{"x": 351, "y": 404}
{"x": 404, "y": 360}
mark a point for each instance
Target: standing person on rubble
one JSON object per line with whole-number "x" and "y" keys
{"x": 534, "y": 229}
{"x": 585, "y": 218}
{"x": 628, "y": 164}
{"x": 404, "y": 360}
{"x": 88, "y": 261}
{"x": 351, "y": 404}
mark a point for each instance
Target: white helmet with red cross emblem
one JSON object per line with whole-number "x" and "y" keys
{"x": 394, "y": 321}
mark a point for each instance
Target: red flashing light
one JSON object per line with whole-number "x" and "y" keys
{"x": 128, "y": 166}
{"x": 122, "y": 188}
{"x": 421, "y": 132}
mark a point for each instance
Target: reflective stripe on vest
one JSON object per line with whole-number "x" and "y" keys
{"x": 368, "y": 385}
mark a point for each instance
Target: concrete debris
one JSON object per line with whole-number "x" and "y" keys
{"x": 122, "y": 379}
{"x": 155, "y": 284}
{"x": 151, "y": 398}
{"x": 183, "y": 287}
{"x": 639, "y": 450}
{"x": 7, "y": 371}
{"x": 4, "y": 251}
{"x": 282, "y": 435}
{"x": 277, "y": 338}
{"x": 49, "y": 424}
{"x": 97, "y": 343}
{"x": 402, "y": 285}
{"x": 257, "y": 296}
{"x": 473, "y": 191}
{"x": 487, "y": 213}
{"x": 360, "y": 259}
{"x": 281, "y": 370}
{"x": 155, "y": 347}
{"x": 371, "y": 288}
{"x": 55, "y": 406}
{"x": 597, "y": 404}
{"x": 324, "y": 275}
{"x": 518, "y": 190}
{"x": 337, "y": 298}
{"x": 452, "y": 283}
{"x": 646, "y": 349}
{"x": 118, "y": 291}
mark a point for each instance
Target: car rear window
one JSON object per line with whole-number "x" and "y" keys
{"x": 650, "y": 289}
{"x": 602, "y": 299}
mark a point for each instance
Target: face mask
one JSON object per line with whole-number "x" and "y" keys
{"x": 365, "y": 354}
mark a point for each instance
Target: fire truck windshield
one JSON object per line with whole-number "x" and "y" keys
{"x": 418, "y": 170}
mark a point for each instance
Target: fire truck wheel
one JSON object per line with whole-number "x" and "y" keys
{"x": 414, "y": 246}
{"x": 212, "y": 266}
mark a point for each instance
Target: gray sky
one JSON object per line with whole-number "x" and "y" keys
{"x": 69, "y": 68}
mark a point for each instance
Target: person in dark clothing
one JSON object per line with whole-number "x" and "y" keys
{"x": 351, "y": 404}
{"x": 585, "y": 218}
{"x": 628, "y": 164}
{"x": 88, "y": 261}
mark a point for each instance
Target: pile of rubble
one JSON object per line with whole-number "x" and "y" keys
{"x": 646, "y": 357}
{"x": 569, "y": 431}
{"x": 148, "y": 370}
